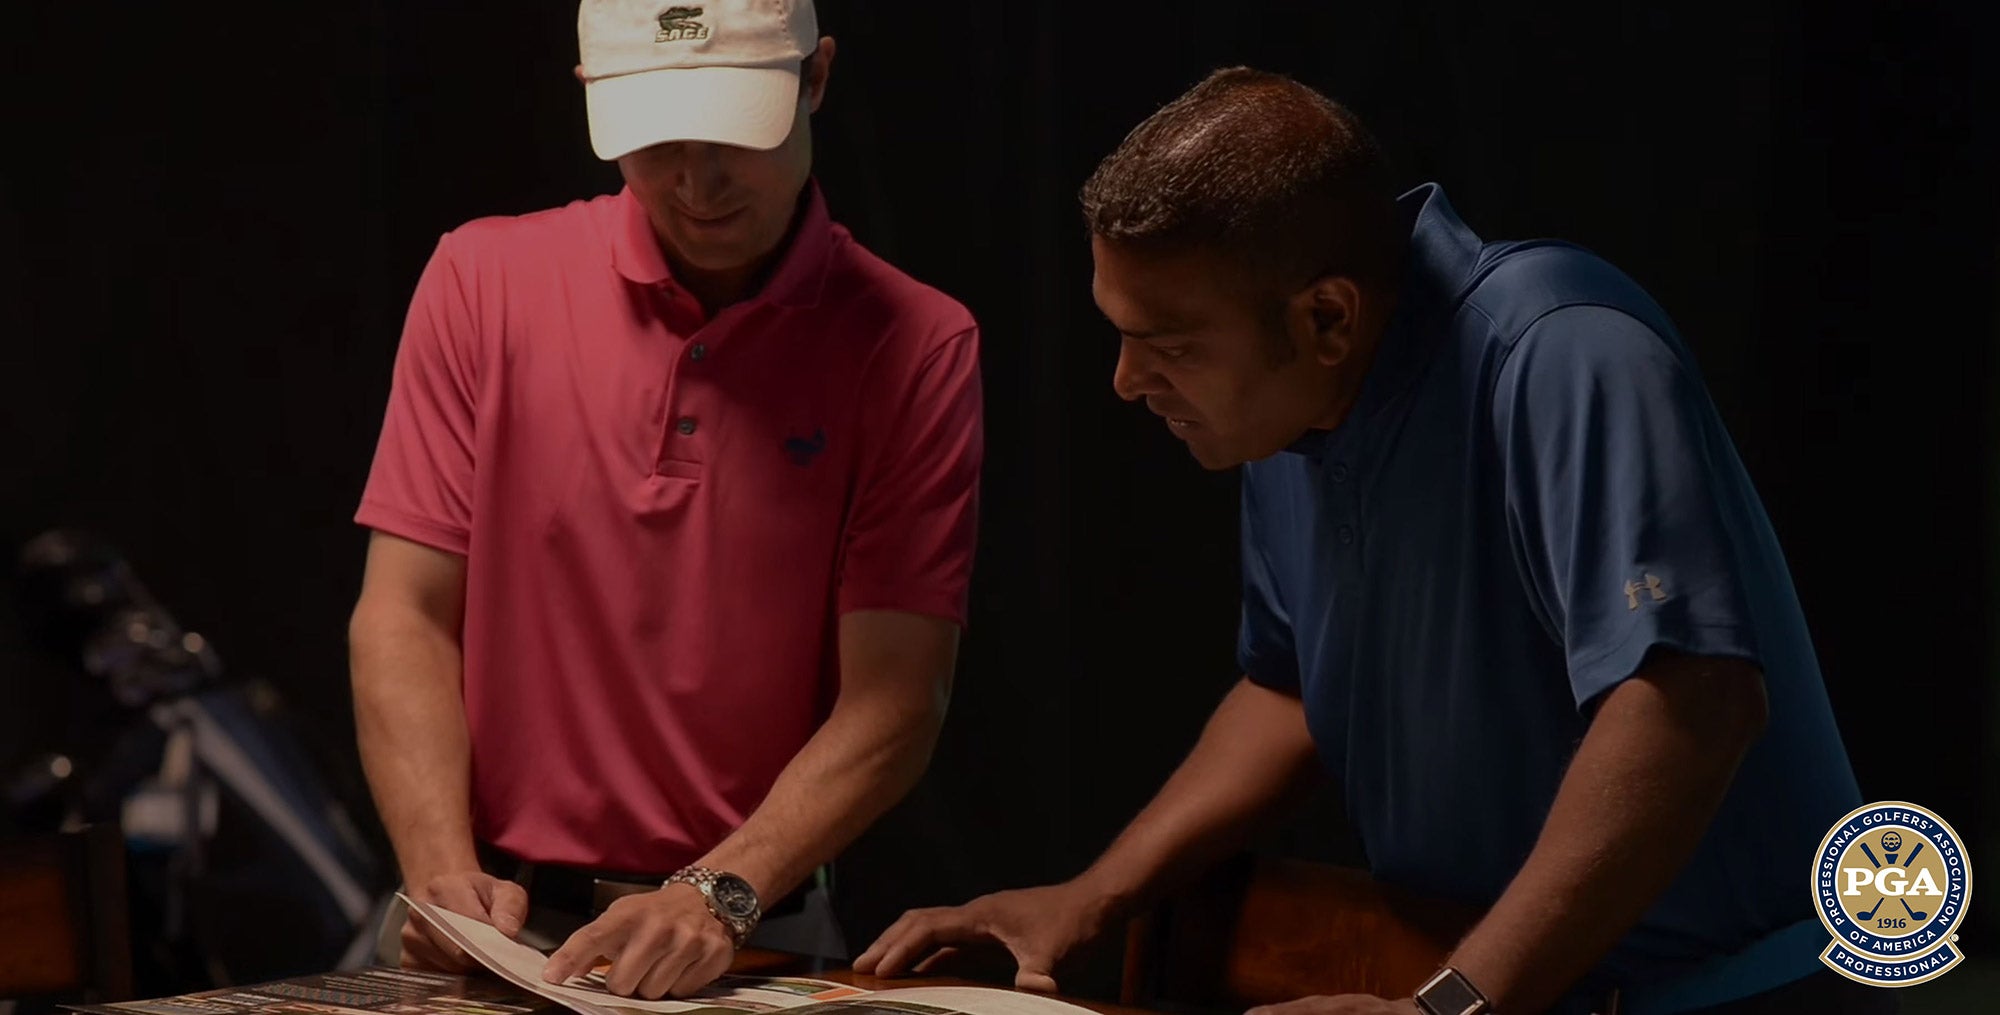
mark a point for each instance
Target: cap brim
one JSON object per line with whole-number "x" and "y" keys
{"x": 750, "y": 107}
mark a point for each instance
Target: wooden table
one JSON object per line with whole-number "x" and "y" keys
{"x": 758, "y": 962}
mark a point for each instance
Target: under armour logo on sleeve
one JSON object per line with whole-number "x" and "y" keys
{"x": 1651, "y": 585}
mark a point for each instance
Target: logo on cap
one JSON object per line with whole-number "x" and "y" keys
{"x": 1891, "y": 882}
{"x": 678, "y": 24}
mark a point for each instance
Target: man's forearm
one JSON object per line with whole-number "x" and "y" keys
{"x": 1254, "y": 759}
{"x": 410, "y": 724}
{"x": 1644, "y": 785}
{"x": 863, "y": 759}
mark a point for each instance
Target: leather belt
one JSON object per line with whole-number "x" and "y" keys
{"x": 588, "y": 891}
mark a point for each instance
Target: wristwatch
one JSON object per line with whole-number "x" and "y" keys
{"x": 1450, "y": 993}
{"x": 729, "y": 898}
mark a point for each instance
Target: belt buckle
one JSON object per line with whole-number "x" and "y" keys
{"x": 604, "y": 892}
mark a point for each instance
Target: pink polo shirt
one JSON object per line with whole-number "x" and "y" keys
{"x": 663, "y": 515}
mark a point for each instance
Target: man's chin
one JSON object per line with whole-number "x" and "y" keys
{"x": 718, "y": 254}
{"x": 1212, "y": 459}
{"x": 1217, "y": 457}
{"x": 712, "y": 260}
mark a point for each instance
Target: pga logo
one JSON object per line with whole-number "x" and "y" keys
{"x": 1891, "y": 882}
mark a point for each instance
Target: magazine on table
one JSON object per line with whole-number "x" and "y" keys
{"x": 382, "y": 991}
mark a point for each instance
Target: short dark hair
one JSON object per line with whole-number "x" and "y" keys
{"x": 1258, "y": 166}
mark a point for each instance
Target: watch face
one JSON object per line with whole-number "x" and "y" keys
{"x": 1451, "y": 995}
{"x": 735, "y": 896}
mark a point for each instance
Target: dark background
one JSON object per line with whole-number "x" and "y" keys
{"x": 212, "y": 218}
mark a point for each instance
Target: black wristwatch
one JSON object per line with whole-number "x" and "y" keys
{"x": 730, "y": 898}
{"x": 1450, "y": 993}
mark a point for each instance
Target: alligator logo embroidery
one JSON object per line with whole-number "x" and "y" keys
{"x": 678, "y": 24}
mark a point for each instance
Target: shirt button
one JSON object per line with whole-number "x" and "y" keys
{"x": 698, "y": 352}
{"x": 1338, "y": 472}
{"x": 685, "y": 426}
{"x": 1346, "y": 534}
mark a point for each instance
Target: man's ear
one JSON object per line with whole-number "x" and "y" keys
{"x": 1324, "y": 319}
{"x": 578, "y": 71}
{"x": 818, "y": 68}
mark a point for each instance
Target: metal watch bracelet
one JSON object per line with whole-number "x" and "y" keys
{"x": 729, "y": 898}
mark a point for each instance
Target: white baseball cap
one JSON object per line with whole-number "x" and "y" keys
{"x": 725, "y": 71}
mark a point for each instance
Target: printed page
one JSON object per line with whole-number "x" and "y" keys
{"x": 363, "y": 992}
{"x": 522, "y": 966}
{"x": 969, "y": 1000}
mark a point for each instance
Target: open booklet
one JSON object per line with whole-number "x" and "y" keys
{"x": 521, "y": 965}
{"x": 381, "y": 991}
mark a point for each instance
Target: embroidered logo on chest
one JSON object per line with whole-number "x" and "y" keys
{"x": 804, "y": 450}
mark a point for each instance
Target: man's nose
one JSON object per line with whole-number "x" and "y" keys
{"x": 703, "y": 174}
{"x": 1134, "y": 377}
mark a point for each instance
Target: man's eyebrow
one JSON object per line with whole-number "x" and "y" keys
{"x": 1146, "y": 334}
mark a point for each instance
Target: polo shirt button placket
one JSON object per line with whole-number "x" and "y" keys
{"x": 686, "y": 425}
{"x": 1346, "y": 501}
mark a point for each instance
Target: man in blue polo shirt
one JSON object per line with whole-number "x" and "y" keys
{"x": 1504, "y": 577}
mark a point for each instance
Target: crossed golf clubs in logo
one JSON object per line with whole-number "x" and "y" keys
{"x": 1891, "y": 842}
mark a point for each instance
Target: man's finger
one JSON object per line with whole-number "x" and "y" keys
{"x": 948, "y": 927}
{"x": 933, "y": 959}
{"x": 865, "y": 962}
{"x": 897, "y": 958}
{"x": 417, "y": 953}
{"x": 659, "y": 982}
{"x": 711, "y": 959}
{"x": 1299, "y": 1006}
{"x": 1285, "y": 1008}
{"x": 637, "y": 955}
{"x": 1035, "y": 972}
{"x": 577, "y": 954}
{"x": 437, "y": 951}
{"x": 1027, "y": 979}
{"x": 458, "y": 895}
{"x": 667, "y": 958}
{"x": 420, "y": 952}
{"x": 414, "y": 958}
{"x": 506, "y": 904}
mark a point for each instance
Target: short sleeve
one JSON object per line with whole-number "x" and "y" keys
{"x": 420, "y": 486}
{"x": 1608, "y": 448}
{"x": 913, "y": 530}
{"x": 1264, "y": 647}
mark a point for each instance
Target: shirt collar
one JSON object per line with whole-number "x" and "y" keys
{"x": 1437, "y": 269}
{"x": 795, "y": 281}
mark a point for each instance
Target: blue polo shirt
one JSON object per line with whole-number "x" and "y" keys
{"x": 1531, "y": 492}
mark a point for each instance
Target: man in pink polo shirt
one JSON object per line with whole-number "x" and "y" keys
{"x": 673, "y": 518}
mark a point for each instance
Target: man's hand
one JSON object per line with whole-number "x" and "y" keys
{"x": 1343, "y": 1004}
{"x": 1038, "y": 925}
{"x": 481, "y": 896}
{"x": 659, "y": 943}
